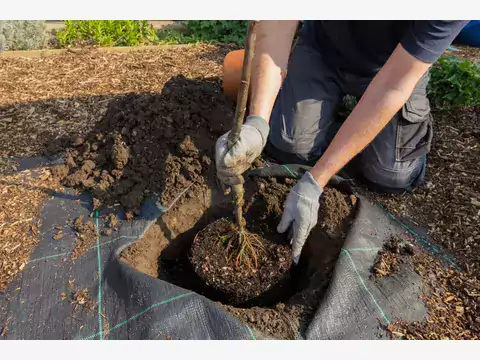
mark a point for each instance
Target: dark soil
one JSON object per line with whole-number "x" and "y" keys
{"x": 394, "y": 252}
{"x": 214, "y": 261}
{"x": 280, "y": 321}
{"x": 150, "y": 143}
{"x": 86, "y": 236}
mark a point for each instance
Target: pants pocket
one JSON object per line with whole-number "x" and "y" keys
{"x": 414, "y": 129}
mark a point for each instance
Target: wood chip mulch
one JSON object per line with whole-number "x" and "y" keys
{"x": 44, "y": 101}
{"x": 452, "y": 299}
{"x": 21, "y": 200}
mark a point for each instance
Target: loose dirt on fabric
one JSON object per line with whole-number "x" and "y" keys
{"x": 87, "y": 235}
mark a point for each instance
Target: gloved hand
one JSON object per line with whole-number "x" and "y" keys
{"x": 232, "y": 164}
{"x": 301, "y": 211}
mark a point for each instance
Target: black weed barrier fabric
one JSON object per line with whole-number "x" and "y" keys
{"x": 128, "y": 304}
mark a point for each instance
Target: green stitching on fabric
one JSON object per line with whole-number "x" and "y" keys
{"x": 51, "y": 256}
{"x": 364, "y": 249}
{"x": 365, "y": 287}
{"x": 290, "y": 171}
{"x": 93, "y": 247}
{"x": 99, "y": 297}
{"x": 251, "y": 332}
{"x": 138, "y": 315}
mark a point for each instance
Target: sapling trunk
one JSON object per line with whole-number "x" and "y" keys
{"x": 242, "y": 244}
{"x": 240, "y": 114}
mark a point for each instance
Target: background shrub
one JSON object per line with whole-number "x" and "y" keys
{"x": 106, "y": 33}
{"x": 207, "y": 31}
{"x": 174, "y": 36}
{"x": 23, "y": 35}
{"x": 454, "y": 82}
{"x": 222, "y": 31}
{"x": 3, "y": 43}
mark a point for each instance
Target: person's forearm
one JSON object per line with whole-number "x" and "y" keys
{"x": 273, "y": 43}
{"x": 385, "y": 95}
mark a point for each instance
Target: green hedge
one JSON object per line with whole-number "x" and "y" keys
{"x": 106, "y": 33}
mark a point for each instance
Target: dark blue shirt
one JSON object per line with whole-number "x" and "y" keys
{"x": 364, "y": 46}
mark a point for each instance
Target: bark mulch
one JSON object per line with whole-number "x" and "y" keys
{"x": 21, "y": 201}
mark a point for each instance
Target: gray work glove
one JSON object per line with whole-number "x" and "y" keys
{"x": 232, "y": 164}
{"x": 301, "y": 211}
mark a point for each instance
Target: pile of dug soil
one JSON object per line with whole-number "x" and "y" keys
{"x": 150, "y": 143}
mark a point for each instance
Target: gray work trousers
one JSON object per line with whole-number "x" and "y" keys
{"x": 303, "y": 123}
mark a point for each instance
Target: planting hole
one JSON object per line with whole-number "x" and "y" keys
{"x": 275, "y": 287}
